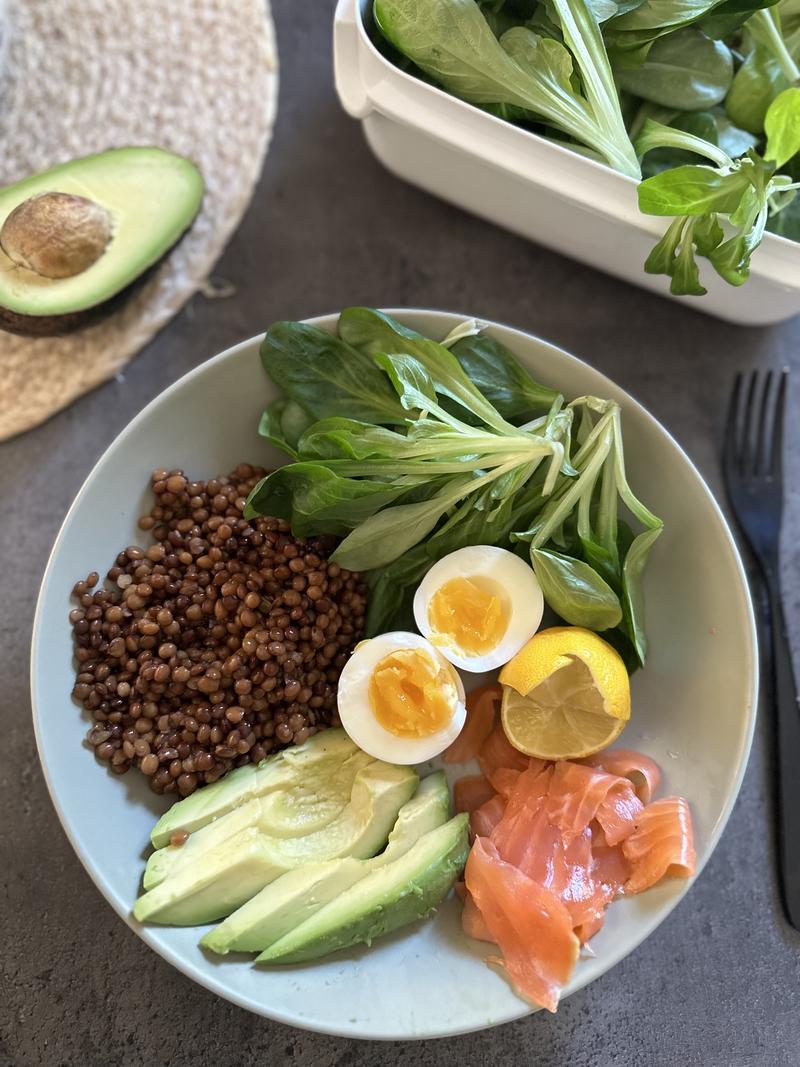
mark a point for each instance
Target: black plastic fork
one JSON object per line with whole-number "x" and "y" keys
{"x": 753, "y": 468}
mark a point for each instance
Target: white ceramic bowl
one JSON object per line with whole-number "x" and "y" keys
{"x": 694, "y": 704}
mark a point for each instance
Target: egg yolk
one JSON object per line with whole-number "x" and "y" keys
{"x": 467, "y": 616}
{"x": 410, "y": 694}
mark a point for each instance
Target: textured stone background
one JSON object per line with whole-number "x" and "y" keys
{"x": 719, "y": 982}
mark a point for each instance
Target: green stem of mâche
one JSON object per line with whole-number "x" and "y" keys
{"x": 772, "y": 37}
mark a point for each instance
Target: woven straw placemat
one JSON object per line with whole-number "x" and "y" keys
{"x": 79, "y": 76}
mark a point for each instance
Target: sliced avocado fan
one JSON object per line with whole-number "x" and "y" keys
{"x": 321, "y": 754}
{"x": 214, "y": 882}
{"x": 295, "y": 793}
{"x": 297, "y": 895}
{"x": 77, "y": 235}
{"x": 395, "y": 895}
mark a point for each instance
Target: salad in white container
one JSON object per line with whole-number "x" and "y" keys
{"x": 656, "y": 140}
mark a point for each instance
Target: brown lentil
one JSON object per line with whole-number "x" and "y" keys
{"x": 217, "y": 644}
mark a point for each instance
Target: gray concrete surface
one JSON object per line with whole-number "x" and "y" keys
{"x": 719, "y": 982}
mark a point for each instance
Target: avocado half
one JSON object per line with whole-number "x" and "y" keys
{"x": 75, "y": 238}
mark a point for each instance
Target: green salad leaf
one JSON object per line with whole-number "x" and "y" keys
{"x": 284, "y": 435}
{"x": 419, "y": 361}
{"x": 576, "y": 591}
{"x": 315, "y": 499}
{"x": 503, "y": 382}
{"x": 756, "y": 84}
{"x": 633, "y": 595}
{"x": 693, "y": 190}
{"x": 631, "y": 35}
{"x": 742, "y": 192}
{"x": 663, "y": 144}
{"x": 522, "y": 469}
{"x": 729, "y": 16}
{"x": 782, "y": 127}
{"x": 655, "y": 135}
{"x": 451, "y": 41}
{"x": 325, "y": 376}
{"x": 733, "y": 140}
{"x": 685, "y": 70}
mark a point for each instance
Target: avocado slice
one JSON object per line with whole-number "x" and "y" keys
{"x": 400, "y": 893}
{"x": 298, "y": 894}
{"x": 317, "y": 759}
{"x": 219, "y": 880}
{"x": 77, "y": 235}
{"x": 299, "y": 797}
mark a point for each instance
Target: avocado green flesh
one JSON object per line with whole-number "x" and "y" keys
{"x": 297, "y": 895}
{"x": 209, "y": 890}
{"x": 294, "y": 804}
{"x": 282, "y": 904}
{"x": 167, "y": 861}
{"x": 325, "y": 754}
{"x": 400, "y": 893}
{"x": 152, "y": 197}
{"x": 220, "y": 879}
{"x": 208, "y": 803}
{"x": 310, "y": 805}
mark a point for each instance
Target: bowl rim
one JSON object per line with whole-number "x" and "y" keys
{"x": 217, "y": 986}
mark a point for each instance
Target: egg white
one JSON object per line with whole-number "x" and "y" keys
{"x": 503, "y": 574}
{"x": 355, "y": 708}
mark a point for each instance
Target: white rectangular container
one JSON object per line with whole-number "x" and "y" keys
{"x": 521, "y": 181}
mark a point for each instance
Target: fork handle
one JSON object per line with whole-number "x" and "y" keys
{"x": 787, "y": 714}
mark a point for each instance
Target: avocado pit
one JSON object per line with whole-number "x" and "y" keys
{"x": 56, "y": 235}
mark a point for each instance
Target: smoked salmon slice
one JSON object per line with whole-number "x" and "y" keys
{"x": 470, "y": 792}
{"x": 643, "y": 773}
{"x": 504, "y": 781}
{"x": 578, "y": 794}
{"x": 555, "y": 845}
{"x": 531, "y": 926}
{"x": 619, "y": 812}
{"x": 473, "y": 922}
{"x": 609, "y": 872}
{"x": 661, "y": 845}
{"x": 545, "y": 832}
{"x": 574, "y": 883}
{"x": 483, "y": 820}
{"x": 497, "y": 753}
{"x": 483, "y": 705}
{"x": 524, "y": 835}
{"x": 610, "y": 866}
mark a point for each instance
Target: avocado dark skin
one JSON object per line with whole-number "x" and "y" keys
{"x": 60, "y": 325}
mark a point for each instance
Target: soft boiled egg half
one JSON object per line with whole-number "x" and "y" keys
{"x": 479, "y": 606}
{"x": 399, "y": 698}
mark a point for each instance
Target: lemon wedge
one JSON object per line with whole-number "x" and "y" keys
{"x": 566, "y": 695}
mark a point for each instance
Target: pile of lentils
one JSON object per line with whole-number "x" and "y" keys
{"x": 220, "y": 643}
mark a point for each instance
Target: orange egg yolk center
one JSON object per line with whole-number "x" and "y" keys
{"x": 467, "y": 616}
{"x": 411, "y": 695}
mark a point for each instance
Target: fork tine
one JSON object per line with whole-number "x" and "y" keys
{"x": 763, "y": 429}
{"x": 776, "y": 458}
{"x": 731, "y": 449}
{"x": 747, "y": 436}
